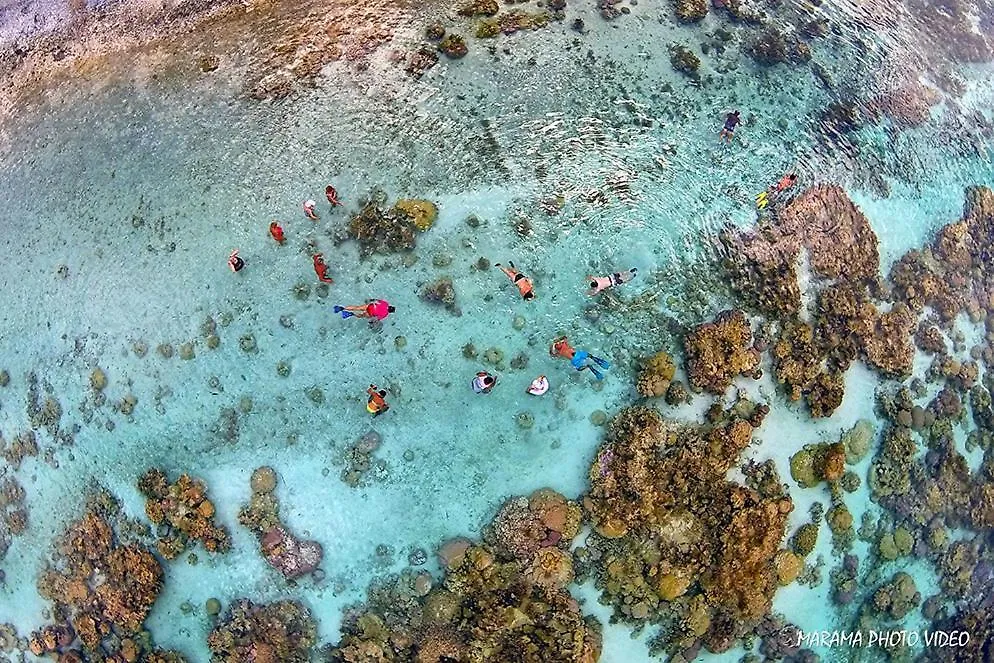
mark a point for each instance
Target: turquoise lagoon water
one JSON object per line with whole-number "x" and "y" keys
{"x": 140, "y": 185}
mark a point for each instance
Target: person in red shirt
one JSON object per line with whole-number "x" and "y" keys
{"x": 277, "y": 232}
{"x": 377, "y": 309}
{"x": 321, "y": 269}
{"x": 332, "y": 196}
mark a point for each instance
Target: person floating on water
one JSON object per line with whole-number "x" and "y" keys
{"x": 375, "y": 308}
{"x": 377, "y": 404}
{"x": 600, "y": 283}
{"x": 732, "y": 120}
{"x": 277, "y": 232}
{"x": 332, "y": 195}
{"x": 774, "y": 190}
{"x": 235, "y": 261}
{"x": 484, "y": 382}
{"x": 309, "y": 212}
{"x": 578, "y": 358}
{"x": 538, "y": 386}
{"x": 321, "y": 269}
{"x": 525, "y": 285}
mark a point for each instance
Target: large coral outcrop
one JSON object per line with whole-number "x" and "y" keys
{"x": 379, "y": 230}
{"x": 98, "y": 586}
{"x": 656, "y": 375}
{"x": 670, "y": 526}
{"x": 182, "y": 513}
{"x": 504, "y": 600}
{"x": 719, "y": 351}
{"x": 279, "y": 632}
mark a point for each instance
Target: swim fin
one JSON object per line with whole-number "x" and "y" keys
{"x": 345, "y": 314}
{"x": 603, "y": 363}
{"x": 597, "y": 374}
{"x": 762, "y": 200}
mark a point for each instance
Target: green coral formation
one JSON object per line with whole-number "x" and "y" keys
{"x": 816, "y": 463}
{"x": 422, "y": 213}
{"x": 805, "y": 539}
{"x": 858, "y": 440}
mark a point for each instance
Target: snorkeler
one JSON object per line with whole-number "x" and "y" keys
{"x": 321, "y": 269}
{"x": 578, "y": 358}
{"x": 309, "y": 212}
{"x": 378, "y": 309}
{"x": 332, "y": 195}
{"x": 785, "y": 182}
{"x": 235, "y": 261}
{"x": 524, "y": 284}
{"x": 277, "y": 232}
{"x": 538, "y": 386}
{"x": 600, "y": 283}
{"x": 484, "y": 382}
{"x": 377, "y": 404}
{"x": 732, "y": 120}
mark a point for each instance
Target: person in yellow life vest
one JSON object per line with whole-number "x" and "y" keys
{"x": 377, "y": 404}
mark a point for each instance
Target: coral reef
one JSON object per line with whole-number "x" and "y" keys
{"x": 718, "y": 351}
{"x": 656, "y": 375}
{"x": 672, "y": 533}
{"x": 379, "y": 230}
{"x": 685, "y": 61}
{"x": 182, "y": 514}
{"x": 24, "y": 445}
{"x": 818, "y": 462}
{"x": 281, "y": 631}
{"x": 360, "y": 462}
{"x": 422, "y": 213}
{"x": 907, "y": 105}
{"x": 441, "y": 292}
{"x": 691, "y": 11}
{"x": 772, "y": 47}
{"x": 453, "y": 46}
{"x": 291, "y": 556}
{"x": 98, "y": 586}
{"x": 13, "y": 511}
{"x": 502, "y": 600}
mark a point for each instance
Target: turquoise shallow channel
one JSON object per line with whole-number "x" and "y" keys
{"x": 790, "y": 455}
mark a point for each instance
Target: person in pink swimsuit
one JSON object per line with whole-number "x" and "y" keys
{"x": 377, "y": 309}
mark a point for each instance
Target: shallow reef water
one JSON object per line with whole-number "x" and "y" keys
{"x": 793, "y": 433}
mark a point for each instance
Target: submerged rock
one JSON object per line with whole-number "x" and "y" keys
{"x": 453, "y": 46}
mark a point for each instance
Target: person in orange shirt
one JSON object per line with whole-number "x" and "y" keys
{"x": 321, "y": 269}
{"x": 578, "y": 358}
{"x": 277, "y": 232}
{"x": 377, "y": 404}
{"x": 524, "y": 284}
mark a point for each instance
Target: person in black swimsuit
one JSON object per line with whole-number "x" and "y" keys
{"x": 235, "y": 261}
{"x": 732, "y": 120}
